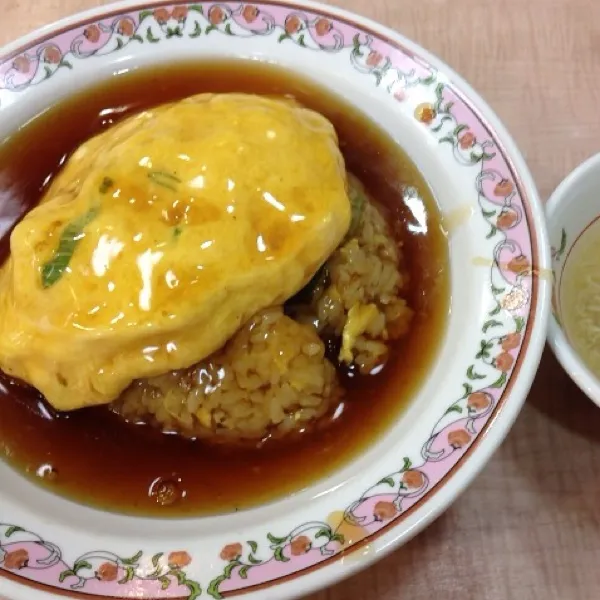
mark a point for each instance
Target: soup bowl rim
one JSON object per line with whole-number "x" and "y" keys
{"x": 566, "y": 193}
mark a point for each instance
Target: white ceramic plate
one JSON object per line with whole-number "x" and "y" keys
{"x": 50, "y": 547}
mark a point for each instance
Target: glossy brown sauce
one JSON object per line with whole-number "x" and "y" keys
{"x": 94, "y": 457}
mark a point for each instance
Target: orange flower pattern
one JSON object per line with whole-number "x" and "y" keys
{"x": 179, "y": 559}
{"x": 180, "y": 13}
{"x": 126, "y": 27}
{"x": 250, "y": 13}
{"x": 504, "y": 361}
{"x": 519, "y": 264}
{"x": 92, "y": 33}
{"x": 458, "y": 438}
{"x": 161, "y": 15}
{"x": 384, "y": 511}
{"x": 478, "y": 401}
{"x": 504, "y": 188}
{"x": 425, "y": 113}
{"x": 51, "y": 54}
{"x": 107, "y": 572}
{"x": 17, "y": 559}
{"x": 292, "y": 25}
{"x": 506, "y": 219}
{"x": 21, "y": 64}
{"x": 467, "y": 140}
{"x": 374, "y": 59}
{"x": 300, "y": 545}
{"x": 511, "y": 341}
{"x": 413, "y": 479}
{"x": 216, "y": 15}
{"x": 323, "y": 26}
{"x": 231, "y": 552}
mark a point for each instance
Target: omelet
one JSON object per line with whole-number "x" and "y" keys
{"x": 162, "y": 236}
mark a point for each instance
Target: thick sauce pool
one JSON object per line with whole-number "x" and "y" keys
{"x": 94, "y": 457}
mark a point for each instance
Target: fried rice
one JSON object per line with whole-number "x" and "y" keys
{"x": 273, "y": 377}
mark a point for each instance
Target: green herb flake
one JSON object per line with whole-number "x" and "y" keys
{"x": 167, "y": 180}
{"x": 106, "y": 185}
{"x": 55, "y": 268}
{"x": 357, "y": 204}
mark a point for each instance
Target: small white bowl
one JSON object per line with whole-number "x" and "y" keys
{"x": 572, "y": 209}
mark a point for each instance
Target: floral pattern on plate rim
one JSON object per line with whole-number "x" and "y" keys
{"x": 455, "y": 124}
